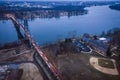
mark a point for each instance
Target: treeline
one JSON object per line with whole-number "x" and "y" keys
{"x": 31, "y": 14}
{"x": 116, "y": 7}
{"x": 10, "y": 45}
{"x": 114, "y": 34}
{"x": 58, "y": 8}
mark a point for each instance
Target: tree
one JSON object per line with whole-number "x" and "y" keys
{"x": 95, "y": 37}
{"x": 103, "y": 33}
{"x": 72, "y": 34}
{"x": 108, "y": 52}
{"x": 116, "y": 36}
{"x": 109, "y": 33}
{"x": 59, "y": 38}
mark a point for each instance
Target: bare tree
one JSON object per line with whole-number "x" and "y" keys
{"x": 116, "y": 36}
{"x": 59, "y": 38}
{"x": 72, "y": 34}
{"x": 103, "y": 34}
{"x": 108, "y": 52}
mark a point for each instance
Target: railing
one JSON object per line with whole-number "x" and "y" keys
{"x": 51, "y": 67}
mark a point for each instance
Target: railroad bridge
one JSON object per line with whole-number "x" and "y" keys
{"x": 52, "y": 69}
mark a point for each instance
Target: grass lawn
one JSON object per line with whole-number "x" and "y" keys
{"x": 106, "y": 63}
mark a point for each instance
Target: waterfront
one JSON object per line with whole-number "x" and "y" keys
{"x": 46, "y": 30}
{"x": 76, "y": 57}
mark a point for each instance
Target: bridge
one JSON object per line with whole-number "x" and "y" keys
{"x": 36, "y": 47}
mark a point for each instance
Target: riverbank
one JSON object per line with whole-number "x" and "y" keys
{"x": 73, "y": 65}
{"x": 17, "y": 63}
{"x": 16, "y": 54}
{"x": 115, "y": 7}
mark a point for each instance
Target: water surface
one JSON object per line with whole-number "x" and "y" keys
{"x": 7, "y": 32}
{"x": 98, "y": 19}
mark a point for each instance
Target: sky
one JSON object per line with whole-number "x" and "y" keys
{"x": 59, "y": 0}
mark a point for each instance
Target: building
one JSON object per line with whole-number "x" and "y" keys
{"x": 10, "y": 72}
{"x": 99, "y": 44}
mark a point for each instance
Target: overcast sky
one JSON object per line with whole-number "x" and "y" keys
{"x": 59, "y": 0}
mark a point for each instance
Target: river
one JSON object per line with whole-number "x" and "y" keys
{"x": 47, "y": 30}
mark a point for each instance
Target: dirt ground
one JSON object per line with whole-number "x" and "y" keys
{"x": 71, "y": 66}
{"x": 30, "y": 72}
{"x": 77, "y": 67}
{"x": 16, "y": 54}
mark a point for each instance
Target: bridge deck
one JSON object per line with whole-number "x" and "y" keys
{"x": 52, "y": 68}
